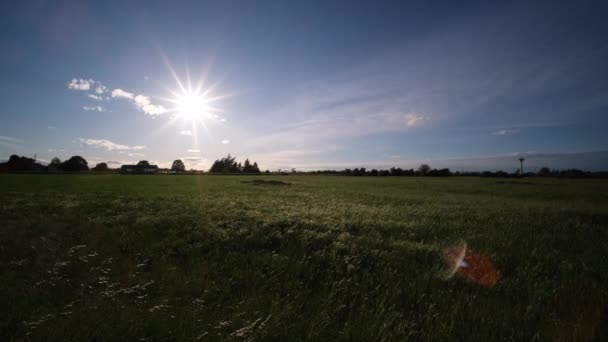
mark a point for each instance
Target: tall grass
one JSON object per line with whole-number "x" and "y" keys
{"x": 111, "y": 257}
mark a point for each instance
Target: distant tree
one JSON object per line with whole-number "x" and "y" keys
{"x": 439, "y": 173}
{"x": 55, "y": 162}
{"x": 246, "y": 166}
{"x": 225, "y": 165}
{"x": 75, "y": 163}
{"x": 101, "y": 167}
{"x": 16, "y": 163}
{"x": 178, "y": 166}
{"x": 228, "y": 164}
{"x": 424, "y": 169}
{"x": 374, "y": 172}
{"x": 14, "y": 158}
{"x": 143, "y": 163}
{"x": 544, "y": 172}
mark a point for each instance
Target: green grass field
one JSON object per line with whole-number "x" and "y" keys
{"x": 112, "y": 257}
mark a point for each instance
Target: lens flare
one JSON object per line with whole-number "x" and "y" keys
{"x": 470, "y": 265}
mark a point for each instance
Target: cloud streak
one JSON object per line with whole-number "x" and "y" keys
{"x": 94, "y": 108}
{"x": 141, "y": 102}
{"x": 109, "y": 145}
{"x": 505, "y": 132}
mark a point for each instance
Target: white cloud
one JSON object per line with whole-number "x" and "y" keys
{"x": 412, "y": 120}
{"x": 95, "y": 97}
{"x": 225, "y": 141}
{"x": 186, "y": 132}
{"x": 94, "y": 108}
{"x": 109, "y": 145}
{"x": 505, "y": 132}
{"x": 121, "y": 93}
{"x": 143, "y": 103}
{"x": 190, "y": 150}
{"x": 80, "y": 84}
{"x": 100, "y": 89}
{"x": 135, "y": 154}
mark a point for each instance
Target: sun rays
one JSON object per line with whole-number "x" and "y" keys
{"x": 192, "y": 105}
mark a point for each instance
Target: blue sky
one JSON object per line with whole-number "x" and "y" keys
{"x": 465, "y": 85}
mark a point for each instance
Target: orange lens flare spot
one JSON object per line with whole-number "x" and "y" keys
{"x": 472, "y": 266}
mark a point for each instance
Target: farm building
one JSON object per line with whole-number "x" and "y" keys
{"x": 139, "y": 169}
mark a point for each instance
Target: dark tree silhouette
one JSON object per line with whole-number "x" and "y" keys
{"x": 55, "y": 162}
{"x": 143, "y": 163}
{"x": 178, "y": 166}
{"x": 101, "y": 167}
{"x": 16, "y": 163}
{"x": 228, "y": 164}
{"x": 76, "y": 163}
{"x": 424, "y": 169}
{"x": 249, "y": 168}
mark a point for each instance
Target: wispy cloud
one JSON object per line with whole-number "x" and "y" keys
{"x": 225, "y": 141}
{"x": 109, "y": 145}
{"x": 122, "y": 94}
{"x": 190, "y": 150}
{"x": 80, "y": 84}
{"x": 10, "y": 141}
{"x": 94, "y": 108}
{"x": 144, "y": 104}
{"x": 100, "y": 89}
{"x": 505, "y": 132}
{"x": 141, "y": 102}
{"x": 191, "y": 158}
{"x": 132, "y": 154}
{"x": 186, "y": 132}
{"x": 95, "y": 97}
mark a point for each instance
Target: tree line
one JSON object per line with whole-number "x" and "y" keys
{"x": 229, "y": 165}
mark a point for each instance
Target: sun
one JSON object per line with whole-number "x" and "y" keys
{"x": 192, "y": 107}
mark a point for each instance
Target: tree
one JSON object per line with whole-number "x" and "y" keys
{"x": 101, "y": 167}
{"x": 143, "y": 163}
{"x": 544, "y": 172}
{"x": 424, "y": 169}
{"x": 55, "y": 162}
{"x": 178, "y": 166}
{"x": 75, "y": 163}
{"x": 16, "y": 163}
{"x": 228, "y": 164}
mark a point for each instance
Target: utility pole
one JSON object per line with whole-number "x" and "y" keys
{"x": 521, "y": 168}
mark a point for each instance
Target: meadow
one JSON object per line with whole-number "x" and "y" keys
{"x": 320, "y": 258}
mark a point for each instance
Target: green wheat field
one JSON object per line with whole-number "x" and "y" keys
{"x": 315, "y": 258}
